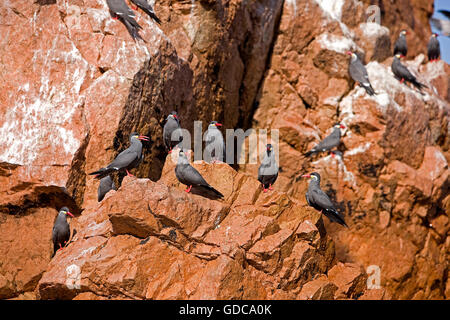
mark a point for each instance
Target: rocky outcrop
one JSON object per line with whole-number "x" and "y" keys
{"x": 76, "y": 85}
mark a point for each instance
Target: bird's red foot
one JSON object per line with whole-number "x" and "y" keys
{"x": 403, "y": 80}
{"x": 188, "y": 189}
{"x": 170, "y": 151}
{"x": 270, "y": 187}
{"x": 265, "y": 190}
{"x": 115, "y": 18}
{"x": 129, "y": 174}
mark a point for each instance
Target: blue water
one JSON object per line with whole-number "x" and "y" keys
{"x": 444, "y": 41}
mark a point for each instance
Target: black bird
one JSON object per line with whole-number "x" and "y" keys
{"x": 330, "y": 142}
{"x": 128, "y": 159}
{"x": 402, "y": 73}
{"x": 358, "y": 72}
{"x": 400, "y": 45}
{"x": 147, "y": 8}
{"x": 434, "y": 48}
{"x": 120, "y": 10}
{"x": 214, "y": 143}
{"x": 106, "y": 185}
{"x": 320, "y": 201}
{"x": 190, "y": 177}
{"x": 171, "y": 126}
{"x": 61, "y": 230}
{"x": 268, "y": 170}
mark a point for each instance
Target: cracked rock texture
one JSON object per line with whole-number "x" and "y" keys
{"x": 75, "y": 85}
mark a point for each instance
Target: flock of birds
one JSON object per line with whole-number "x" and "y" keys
{"x": 215, "y": 150}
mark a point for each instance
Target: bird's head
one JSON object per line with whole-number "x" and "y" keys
{"x": 65, "y": 210}
{"x": 269, "y": 148}
{"x": 313, "y": 176}
{"x": 135, "y": 135}
{"x": 403, "y": 33}
{"x": 215, "y": 124}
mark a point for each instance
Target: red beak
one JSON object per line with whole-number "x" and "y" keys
{"x": 349, "y": 53}
{"x": 175, "y": 116}
{"x": 218, "y": 124}
{"x": 70, "y": 214}
{"x": 342, "y": 126}
{"x": 306, "y": 176}
{"x": 144, "y": 138}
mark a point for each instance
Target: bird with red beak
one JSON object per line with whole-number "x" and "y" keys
{"x": 401, "y": 46}
{"x": 268, "y": 170}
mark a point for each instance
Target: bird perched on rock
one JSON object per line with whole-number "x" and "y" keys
{"x": 403, "y": 74}
{"x": 61, "y": 230}
{"x": 320, "y": 201}
{"x": 443, "y": 25}
{"x": 434, "y": 48}
{"x": 268, "y": 170}
{"x": 128, "y": 159}
{"x": 190, "y": 177}
{"x": 401, "y": 45}
{"x": 358, "y": 72}
{"x": 330, "y": 142}
{"x": 171, "y": 126}
{"x": 106, "y": 185}
{"x": 147, "y": 8}
{"x": 214, "y": 143}
{"x": 121, "y": 11}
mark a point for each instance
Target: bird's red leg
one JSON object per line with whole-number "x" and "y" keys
{"x": 129, "y": 174}
{"x": 403, "y": 80}
{"x": 270, "y": 187}
{"x": 188, "y": 189}
{"x": 332, "y": 154}
{"x": 170, "y": 151}
{"x": 115, "y": 18}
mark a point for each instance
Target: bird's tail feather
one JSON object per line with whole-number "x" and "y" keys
{"x": 220, "y": 195}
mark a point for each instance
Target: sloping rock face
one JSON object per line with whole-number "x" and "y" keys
{"x": 75, "y": 85}
{"x": 151, "y": 240}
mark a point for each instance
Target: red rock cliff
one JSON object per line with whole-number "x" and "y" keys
{"x": 76, "y": 85}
